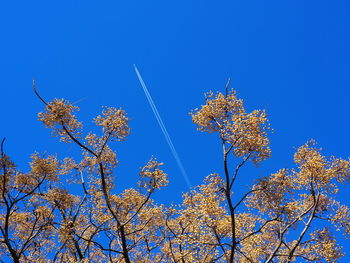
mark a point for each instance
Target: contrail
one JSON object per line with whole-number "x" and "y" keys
{"x": 162, "y": 127}
{"x": 78, "y": 101}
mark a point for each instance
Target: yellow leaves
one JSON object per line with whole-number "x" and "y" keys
{"x": 323, "y": 246}
{"x": 196, "y": 224}
{"x": 61, "y": 198}
{"x": 104, "y": 155}
{"x": 248, "y": 136}
{"x": 317, "y": 171}
{"x": 67, "y": 165}
{"x": 270, "y": 192}
{"x": 247, "y": 133}
{"x": 65, "y": 231}
{"x": 58, "y": 111}
{"x": 25, "y": 182}
{"x": 131, "y": 200}
{"x": 58, "y": 114}
{"x": 309, "y": 154}
{"x": 255, "y": 246}
{"x": 6, "y": 162}
{"x": 9, "y": 169}
{"x": 245, "y": 223}
{"x": 341, "y": 218}
{"x": 206, "y": 202}
{"x": 108, "y": 156}
{"x": 44, "y": 167}
{"x": 217, "y": 109}
{"x": 22, "y": 223}
{"x": 341, "y": 170}
{"x": 312, "y": 164}
{"x": 114, "y": 123}
{"x": 102, "y": 225}
{"x": 152, "y": 177}
{"x": 43, "y": 212}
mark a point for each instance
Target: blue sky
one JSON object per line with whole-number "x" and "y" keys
{"x": 291, "y": 58}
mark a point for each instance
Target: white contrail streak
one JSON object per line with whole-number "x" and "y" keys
{"x": 162, "y": 127}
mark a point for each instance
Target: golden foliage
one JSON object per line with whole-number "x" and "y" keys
{"x": 69, "y": 210}
{"x": 59, "y": 116}
{"x": 246, "y": 132}
{"x": 114, "y": 123}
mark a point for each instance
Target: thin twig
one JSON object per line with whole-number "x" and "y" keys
{"x": 227, "y": 85}
{"x": 36, "y": 93}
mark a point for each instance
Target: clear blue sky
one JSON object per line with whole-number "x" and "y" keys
{"x": 289, "y": 57}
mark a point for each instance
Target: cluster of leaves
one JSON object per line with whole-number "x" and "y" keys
{"x": 287, "y": 216}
